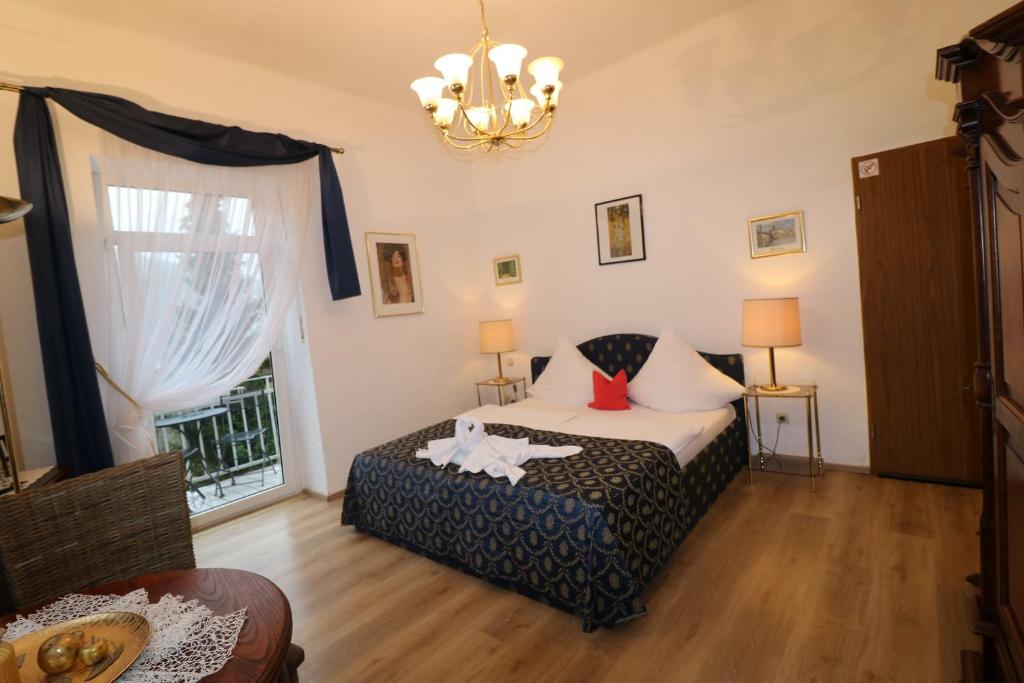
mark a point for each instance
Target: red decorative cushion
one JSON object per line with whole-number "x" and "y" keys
{"x": 610, "y": 394}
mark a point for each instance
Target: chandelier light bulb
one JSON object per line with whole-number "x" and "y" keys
{"x": 545, "y": 70}
{"x": 455, "y": 70}
{"x": 480, "y": 117}
{"x": 445, "y": 113}
{"x": 508, "y": 60}
{"x": 541, "y": 97}
{"x": 429, "y": 90}
{"x": 521, "y": 110}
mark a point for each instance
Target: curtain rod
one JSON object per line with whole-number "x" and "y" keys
{"x": 11, "y": 87}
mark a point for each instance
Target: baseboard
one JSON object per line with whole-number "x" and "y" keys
{"x": 329, "y": 498}
{"x": 797, "y": 464}
{"x": 930, "y": 480}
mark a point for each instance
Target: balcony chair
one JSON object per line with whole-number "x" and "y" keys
{"x": 244, "y": 437}
{"x": 110, "y": 525}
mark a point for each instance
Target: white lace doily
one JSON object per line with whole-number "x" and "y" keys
{"x": 188, "y": 641}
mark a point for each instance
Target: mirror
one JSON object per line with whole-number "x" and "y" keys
{"x": 9, "y": 478}
{"x": 11, "y": 209}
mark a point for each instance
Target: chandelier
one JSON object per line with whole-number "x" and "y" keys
{"x": 493, "y": 112}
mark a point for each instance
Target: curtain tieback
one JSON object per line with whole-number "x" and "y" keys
{"x": 117, "y": 387}
{"x": 150, "y": 441}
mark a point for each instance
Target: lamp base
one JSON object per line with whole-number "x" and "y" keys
{"x": 772, "y": 387}
{"x": 500, "y": 380}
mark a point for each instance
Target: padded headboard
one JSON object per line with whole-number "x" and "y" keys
{"x": 629, "y": 352}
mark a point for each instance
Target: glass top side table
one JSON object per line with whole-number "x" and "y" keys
{"x": 809, "y": 394}
{"x": 518, "y": 394}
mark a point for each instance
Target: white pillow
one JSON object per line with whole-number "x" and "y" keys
{"x": 568, "y": 377}
{"x": 676, "y": 379}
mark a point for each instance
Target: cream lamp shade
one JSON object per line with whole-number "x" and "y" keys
{"x": 497, "y": 336}
{"x": 771, "y": 322}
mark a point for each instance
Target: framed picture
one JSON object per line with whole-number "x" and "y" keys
{"x": 620, "y": 230}
{"x": 394, "y": 273}
{"x": 507, "y": 270}
{"x": 782, "y": 233}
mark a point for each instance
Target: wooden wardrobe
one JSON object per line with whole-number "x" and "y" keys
{"x": 990, "y": 118}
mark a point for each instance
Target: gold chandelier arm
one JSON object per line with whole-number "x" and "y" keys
{"x": 483, "y": 19}
{"x": 449, "y": 136}
{"x": 544, "y": 117}
{"x": 474, "y": 143}
{"x": 506, "y": 111}
{"x": 527, "y": 138}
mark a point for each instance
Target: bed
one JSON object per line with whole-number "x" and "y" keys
{"x": 585, "y": 533}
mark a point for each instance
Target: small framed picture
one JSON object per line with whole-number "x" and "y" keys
{"x": 620, "y": 230}
{"x": 507, "y": 270}
{"x": 782, "y": 233}
{"x": 394, "y": 273}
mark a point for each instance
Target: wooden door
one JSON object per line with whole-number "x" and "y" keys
{"x": 1002, "y": 179}
{"x": 919, "y": 311}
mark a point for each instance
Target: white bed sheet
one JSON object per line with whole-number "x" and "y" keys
{"x": 685, "y": 434}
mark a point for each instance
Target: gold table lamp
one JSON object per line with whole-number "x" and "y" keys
{"x": 771, "y": 323}
{"x": 497, "y": 336}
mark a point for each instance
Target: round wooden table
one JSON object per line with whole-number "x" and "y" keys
{"x": 264, "y": 639}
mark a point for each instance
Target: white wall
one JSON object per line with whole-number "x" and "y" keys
{"x": 755, "y": 112}
{"x": 374, "y": 379}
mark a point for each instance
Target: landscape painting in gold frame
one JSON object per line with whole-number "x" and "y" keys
{"x": 508, "y": 270}
{"x": 780, "y": 233}
{"x": 394, "y": 273}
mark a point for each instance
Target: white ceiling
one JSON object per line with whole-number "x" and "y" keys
{"x": 376, "y": 48}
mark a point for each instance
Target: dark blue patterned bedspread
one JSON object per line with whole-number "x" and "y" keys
{"x": 584, "y": 533}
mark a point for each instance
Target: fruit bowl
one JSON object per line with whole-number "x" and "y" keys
{"x": 127, "y": 632}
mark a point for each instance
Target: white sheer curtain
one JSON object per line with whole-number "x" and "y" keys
{"x": 202, "y": 268}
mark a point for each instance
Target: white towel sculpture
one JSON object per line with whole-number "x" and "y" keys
{"x": 474, "y": 450}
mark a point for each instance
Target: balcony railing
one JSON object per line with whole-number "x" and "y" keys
{"x": 249, "y": 407}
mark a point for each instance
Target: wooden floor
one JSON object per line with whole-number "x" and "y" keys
{"x": 862, "y": 581}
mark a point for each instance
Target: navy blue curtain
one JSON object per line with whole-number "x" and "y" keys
{"x": 80, "y": 439}
{"x": 80, "y": 434}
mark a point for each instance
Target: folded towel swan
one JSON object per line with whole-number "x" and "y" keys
{"x": 475, "y": 451}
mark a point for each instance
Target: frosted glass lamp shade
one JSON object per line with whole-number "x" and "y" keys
{"x": 445, "y": 113}
{"x": 497, "y": 336}
{"x": 545, "y": 70}
{"x": 771, "y": 322}
{"x": 508, "y": 60}
{"x": 521, "y": 110}
{"x": 480, "y": 117}
{"x": 541, "y": 98}
{"x": 455, "y": 70}
{"x": 429, "y": 90}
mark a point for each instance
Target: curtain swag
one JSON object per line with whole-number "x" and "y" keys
{"x": 211, "y": 143}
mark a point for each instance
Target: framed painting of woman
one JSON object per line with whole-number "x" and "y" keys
{"x": 394, "y": 273}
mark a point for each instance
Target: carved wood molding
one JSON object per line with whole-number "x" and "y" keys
{"x": 1002, "y": 37}
{"x": 1011, "y": 112}
{"x": 949, "y": 60}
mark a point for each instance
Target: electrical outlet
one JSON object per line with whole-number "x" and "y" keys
{"x": 782, "y": 418}
{"x": 509, "y": 361}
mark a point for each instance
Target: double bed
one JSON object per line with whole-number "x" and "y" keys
{"x": 585, "y": 533}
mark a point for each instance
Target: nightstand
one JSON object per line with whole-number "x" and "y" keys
{"x": 511, "y": 385}
{"x": 809, "y": 394}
